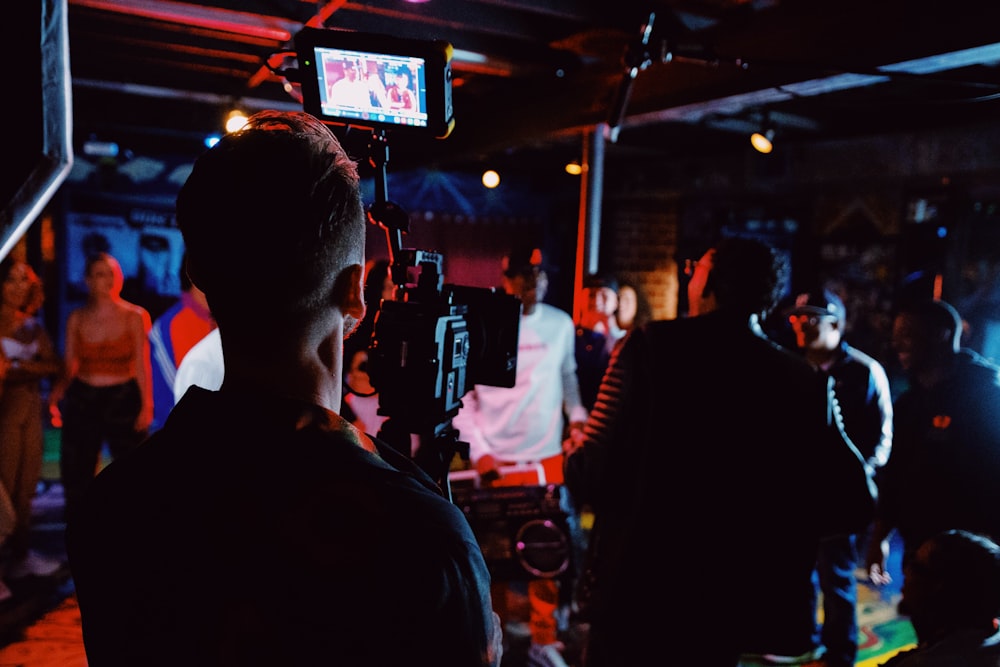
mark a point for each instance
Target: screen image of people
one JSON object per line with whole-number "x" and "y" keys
{"x": 400, "y": 93}
{"x": 382, "y": 88}
{"x": 353, "y": 86}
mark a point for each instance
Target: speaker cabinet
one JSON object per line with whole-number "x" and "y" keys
{"x": 522, "y": 530}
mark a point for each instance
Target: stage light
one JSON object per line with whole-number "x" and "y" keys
{"x": 491, "y": 179}
{"x": 574, "y": 168}
{"x": 761, "y": 141}
{"x": 95, "y": 148}
{"x": 235, "y": 120}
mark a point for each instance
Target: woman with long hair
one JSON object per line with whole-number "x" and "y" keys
{"x": 106, "y": 393}
{"x": 27, "y": 356}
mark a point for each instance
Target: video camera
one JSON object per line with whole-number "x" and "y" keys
{"x": 433, "y": 341}
{"x": 431, "y": 344}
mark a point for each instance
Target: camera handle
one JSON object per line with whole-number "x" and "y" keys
{"x": 439, "y": 442}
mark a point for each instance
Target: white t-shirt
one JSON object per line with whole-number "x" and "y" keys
{"x": 525, "y": 422}
{"x": 202, "y": 365}
{"x": 366, "y": 408}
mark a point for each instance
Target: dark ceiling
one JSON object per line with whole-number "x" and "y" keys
{"x": 531, "y": 76}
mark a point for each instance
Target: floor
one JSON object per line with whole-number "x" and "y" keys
{"x": 40, "y": 625}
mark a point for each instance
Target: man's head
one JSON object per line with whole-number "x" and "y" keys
{"x": 739, "y": 275}
{"x": 817, "y": 318}
{"x": 524, "y": 277}
{"x": 952, "y": 582}
{"x": 926, "y": 334}
{"x": 601, "y": 303}
{"x": 273, "y": 225}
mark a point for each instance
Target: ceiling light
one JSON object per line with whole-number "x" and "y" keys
{"x": 761, "y": 141}
{"x": 235, "y": 120}
{"x": 95, "y": 148}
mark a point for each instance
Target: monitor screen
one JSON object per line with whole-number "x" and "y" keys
{"x": 377, "y": 81}
{"x": 372, "y": 87}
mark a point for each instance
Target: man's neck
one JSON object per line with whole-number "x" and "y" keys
{"x": 821, "y": 358}
{"x": 309, "y": 372}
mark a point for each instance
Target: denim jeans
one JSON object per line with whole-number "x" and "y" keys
{"x": 93, "y": 416}
{"x": 835, "y": 566}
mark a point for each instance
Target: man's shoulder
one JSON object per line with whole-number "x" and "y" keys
{"x": 169, "y": 314}
{"x": 555, "y": 314}
{"x": 856, "y": 356}
{"x": 978, "y": 367}
{"x": 204, "y": 451}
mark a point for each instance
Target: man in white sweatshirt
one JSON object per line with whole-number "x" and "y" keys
{"x": 527, "y": 423}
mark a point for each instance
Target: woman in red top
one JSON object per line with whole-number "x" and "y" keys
{"x": 106, "y": 394}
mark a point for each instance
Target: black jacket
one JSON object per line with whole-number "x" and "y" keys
{"x": 944, "y": 470}
{"x": 862, "y": 389}
{"x": 255, "y": 531}
{"x": 714, "y": 462}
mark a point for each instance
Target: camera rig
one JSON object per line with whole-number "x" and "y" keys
{"x": 433, "y": 341}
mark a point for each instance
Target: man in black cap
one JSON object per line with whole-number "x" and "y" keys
{"x": 817, "y": 319}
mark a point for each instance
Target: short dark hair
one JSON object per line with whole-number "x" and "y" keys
{"x": 747, "y": 275}
{"x": 967, "y": 567}
{"x": 599, "y": 280}
{"x": 270, "y": 216}
{"x": 935, "y": 316}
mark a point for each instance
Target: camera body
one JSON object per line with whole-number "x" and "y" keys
{"x": 376, "y": 81}
{"x": 433, "y": 342}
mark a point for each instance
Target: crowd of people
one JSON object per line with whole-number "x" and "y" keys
{"x": 246, "y": 440}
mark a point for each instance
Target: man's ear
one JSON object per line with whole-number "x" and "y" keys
{"x": 348, "y": 291}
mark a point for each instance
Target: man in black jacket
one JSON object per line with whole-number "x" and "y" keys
{"x": 945, "y": 462}
{"x": 714, "y": 461}
{"x": 818, "y": 319}
{"x": 258, "y": 527}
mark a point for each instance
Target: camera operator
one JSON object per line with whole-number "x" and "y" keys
{"x": 258, "y": 527}
{"x": 525, "y": 423}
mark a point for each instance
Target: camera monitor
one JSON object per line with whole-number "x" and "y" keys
{"x": 376, "y": 81}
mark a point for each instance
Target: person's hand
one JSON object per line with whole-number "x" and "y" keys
{"x": 55, "y": 397}
{"x": 575, "y": 439}
{"x": 144, "y": 419}
{"x": 878, "y": 556}
{"x": 486, "y": 466}
{"x": 495, "y": 648}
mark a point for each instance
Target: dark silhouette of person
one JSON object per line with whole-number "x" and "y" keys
{"x": 951, "y": 594}
{"x": 945, "y": 461}
{"x": 258, "y": 527}
{"x": 714, "y": 461}
{"x": 818, "y": 319}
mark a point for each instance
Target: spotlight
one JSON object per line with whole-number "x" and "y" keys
{"x": 491, "y": 179}
{"x": 761, "y": 141}
{"x": 235, "y": 120}
{"x": 96, "y": 148}
{"x": 574, "y": 168}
